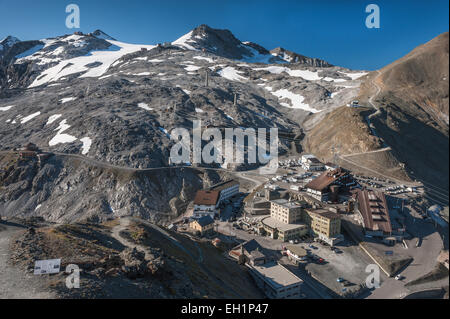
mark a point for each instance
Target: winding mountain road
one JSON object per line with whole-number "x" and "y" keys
{"x": 375, "y": 95}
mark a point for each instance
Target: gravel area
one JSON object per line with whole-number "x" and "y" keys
{"x": 16, "y": 283}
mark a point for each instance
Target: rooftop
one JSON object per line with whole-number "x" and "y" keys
{"x": 205, "y": 220}
{"x": 296, "y": 250}
{"x": 206, "y": 197}
{"x": 276, "y": 275}
{"x": 374, "y": 210}
{"x": 326, "y": 179}
{"x": 224, "y": 185}
{"x": 285, "y": 203}
{"x": 324, "y": 213}
{"x": 273, "y": 223}
{"x": 251, "y": 245}
{"x": 257, "y": 254}
{"x": 314, "y": 160}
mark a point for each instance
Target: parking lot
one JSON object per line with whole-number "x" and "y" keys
{"x": 295, "y": 178}
{"x": 350, "y": 264}
{"x": 343, "y": 271}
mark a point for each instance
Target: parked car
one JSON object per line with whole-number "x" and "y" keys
{"x": 398, "y": 277}
{"x": 340, "y": 279}
{"x": 347, "y": 283}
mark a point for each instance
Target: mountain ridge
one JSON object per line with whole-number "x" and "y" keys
{"x": 406, "y": 108}
{"x": 110, "y": 107}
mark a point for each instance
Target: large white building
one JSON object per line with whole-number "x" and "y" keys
{"x": 206, "y": 203}
{"x": 276, "y": 281}
{"x": 310, "y": 163}
{"x": 226, "y": 189}
{"x": 284, "y": 221}
{"x": 321, "y": 188}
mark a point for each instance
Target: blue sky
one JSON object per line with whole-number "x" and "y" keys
{"x": 331, "y": 30}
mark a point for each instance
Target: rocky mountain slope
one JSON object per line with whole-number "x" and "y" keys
{"x": 292, "y": 57}
{"x": 127, "y": 258}
{"x": 116, "y": 103}
{"x": 406, "y": 110}
{"x": 420, "y": 79}
{"x": 413, "y": 118}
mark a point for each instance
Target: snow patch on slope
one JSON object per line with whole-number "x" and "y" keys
{"x": 67, "y": 99}
{"x": 104, "y": 59}
{"x": 60, "y": 137}
{"x": 183, "y": 42}
{"x": 256, "y": 57}
{"x": 304, "y": 74}
{"x": 192, "y": 68}
{"x": 29, "y": 117}
{"x": 355, "y": 76}
{"x": 87, "y": 142}
{"x": 296, "y": 100}
{"x": 53, "y": 118}
{"x": 204, "y": 58}
{"x": 231, "y": 73}
{"x": 6, "y": 108}
{"x": 145, "y": 106}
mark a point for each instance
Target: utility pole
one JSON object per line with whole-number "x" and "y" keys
{"x": 207, "y": 79}
{"x": 235, "y": 100}
{"x": 335, "y": 150}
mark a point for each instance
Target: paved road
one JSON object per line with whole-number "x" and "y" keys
{"x": 16, "y": 283}
{"x": 424, "y": 260}
{"x": 311, "y": 288}
{"x": 385, "y": 149}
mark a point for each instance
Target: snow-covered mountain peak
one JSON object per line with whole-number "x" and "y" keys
{"x": 224, "y": 43}
{"x": 8, "y": 42}
{"x": 101, "y": 35}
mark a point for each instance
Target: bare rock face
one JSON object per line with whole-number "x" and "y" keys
{"x": 135, "y": 263}
{"x": 156, "y": 265}
{"x": 108, "y": 117}
{"x": 292, "y": 57}
{"x": 414, "y": 110}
